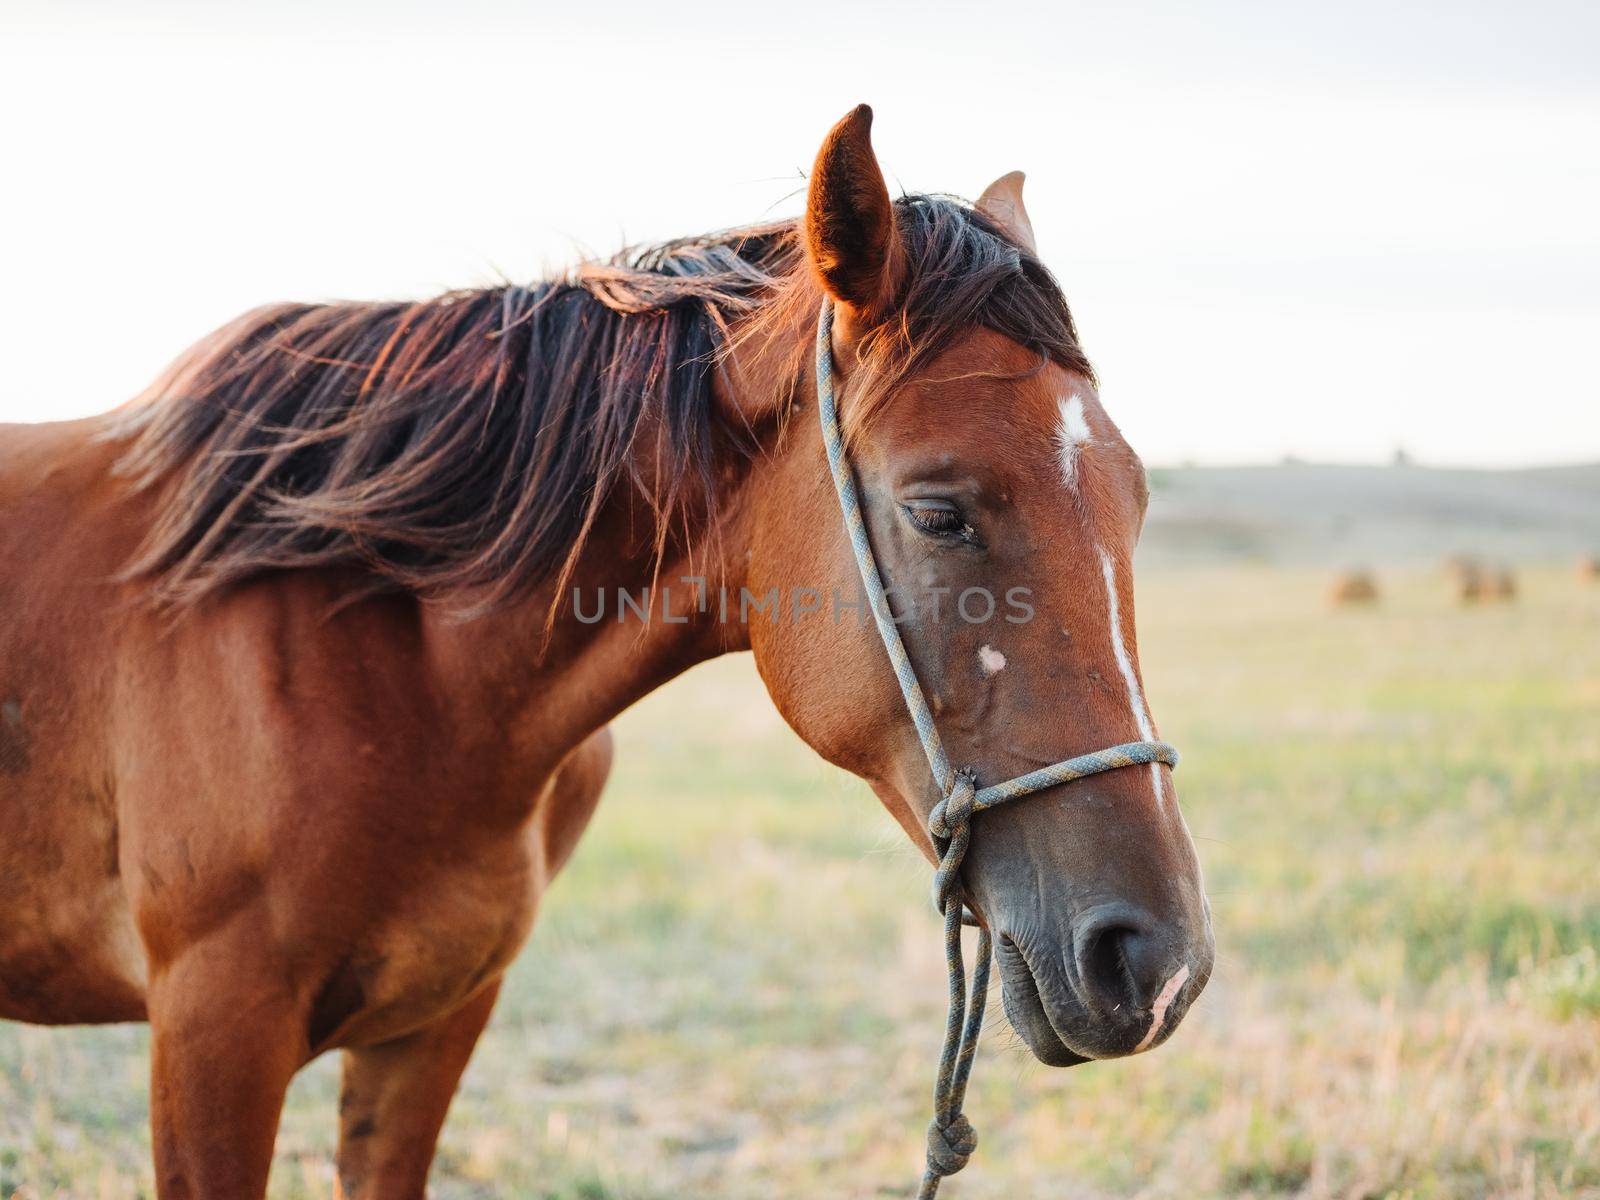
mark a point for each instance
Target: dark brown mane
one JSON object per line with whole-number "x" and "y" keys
{"x": 467, "y": 442}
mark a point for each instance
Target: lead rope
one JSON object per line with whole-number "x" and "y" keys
{"x": 951, "y": 1138}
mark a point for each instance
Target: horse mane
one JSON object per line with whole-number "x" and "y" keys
{"x": 467, "y": 443}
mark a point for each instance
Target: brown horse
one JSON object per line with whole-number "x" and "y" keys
{"x": 303, "y": 702}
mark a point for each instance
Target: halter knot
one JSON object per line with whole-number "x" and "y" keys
{"x": 950, "y": 1145}
{"x": 955, "y": 810}
{"x": 949, "y": 823}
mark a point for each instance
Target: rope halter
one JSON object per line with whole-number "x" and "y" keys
{"x": 951, "y": 1138}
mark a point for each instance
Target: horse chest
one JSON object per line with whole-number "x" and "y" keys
{"x": 446, "y": 933}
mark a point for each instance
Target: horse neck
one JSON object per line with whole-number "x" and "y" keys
{"x": 561, "y": 678}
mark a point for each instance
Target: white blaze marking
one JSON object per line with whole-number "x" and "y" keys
{"x": 1072, "y": 435}
{"x": 991, "y": 659}
{"x": 1141, "y": 714}
{"x": 1158, "y": 1011}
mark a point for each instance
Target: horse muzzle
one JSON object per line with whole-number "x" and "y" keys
{"x": 1119, "y": 985}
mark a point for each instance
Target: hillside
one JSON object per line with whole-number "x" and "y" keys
{"x": 1315, "y": 513}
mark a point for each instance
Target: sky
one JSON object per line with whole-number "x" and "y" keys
{"x": 1321, "y": 230}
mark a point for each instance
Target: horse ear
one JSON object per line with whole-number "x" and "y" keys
{"x": 849, "y": 226}
{"x": 1001, "y": 202}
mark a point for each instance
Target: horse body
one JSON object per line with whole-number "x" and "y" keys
{"x": 304, "y": 824}
{"x": 297, "y": 720}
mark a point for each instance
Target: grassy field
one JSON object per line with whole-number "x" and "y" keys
{"x": 736, "y": 991}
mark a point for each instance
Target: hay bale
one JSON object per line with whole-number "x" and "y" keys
{"x": 1356, "y": 586}
{"x": 1481, "y": 583}
{"x": 1502, "y": 585}
{"x": 1471, "y": 580}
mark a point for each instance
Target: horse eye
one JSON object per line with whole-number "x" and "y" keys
{"x": 936, "y": 517}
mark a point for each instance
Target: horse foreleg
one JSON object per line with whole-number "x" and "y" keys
{"x": 396, "y": 1093}
{"x": 394, "y": 1101}
{"x": 224, "y": 1044}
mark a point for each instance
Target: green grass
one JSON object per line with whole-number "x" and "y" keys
{"x": 736, "y": 990}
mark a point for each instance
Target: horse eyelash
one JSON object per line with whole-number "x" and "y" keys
{"x": 966, "y": 533}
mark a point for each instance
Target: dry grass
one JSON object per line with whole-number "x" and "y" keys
{"x": 736, "y": 991}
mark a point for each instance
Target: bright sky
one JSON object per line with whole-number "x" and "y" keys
{"x": 1324, "y": 229}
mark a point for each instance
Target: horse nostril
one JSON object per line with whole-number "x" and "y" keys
{"x": 1121, "y": 963}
